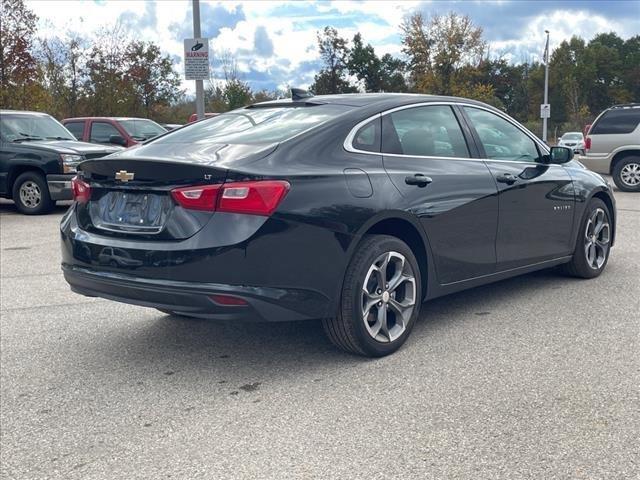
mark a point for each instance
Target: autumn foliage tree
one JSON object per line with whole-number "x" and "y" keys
{"x": 19, "y": 72}
{"x": 439, "y": 48}
{"x": 334, "y": 53}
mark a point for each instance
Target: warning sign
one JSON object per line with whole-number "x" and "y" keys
{"x": 196, "y": 58}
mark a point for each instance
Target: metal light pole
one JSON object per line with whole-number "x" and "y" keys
{"x": 546, "y": 86}
{"x": 199, "y": 83}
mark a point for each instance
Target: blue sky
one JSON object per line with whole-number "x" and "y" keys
{"x": 275, "y": 42}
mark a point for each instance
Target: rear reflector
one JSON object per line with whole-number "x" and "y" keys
{"x": 260, "y": 197}
{"x": 228, "y": 300}
{"x": 81, "y": 190}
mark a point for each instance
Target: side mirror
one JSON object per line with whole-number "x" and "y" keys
{"x": 560, "y": 155}
{"x": 118, "y": 140}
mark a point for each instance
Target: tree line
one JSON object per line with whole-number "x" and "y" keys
{"x": 112, "y": 74}
{"x": 447, "y": 55}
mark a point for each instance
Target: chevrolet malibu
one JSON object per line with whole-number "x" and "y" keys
{"x": 353, "y": 209}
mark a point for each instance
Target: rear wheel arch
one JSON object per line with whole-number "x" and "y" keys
{"x": 406, "y": 230}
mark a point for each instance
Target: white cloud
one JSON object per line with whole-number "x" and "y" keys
{"x": 291, "y": 27}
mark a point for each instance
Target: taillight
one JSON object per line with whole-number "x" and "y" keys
{"x": 587, "y": 143}
{"x": 254, "y": 198}
{"x": 81, "y": 190}
{"x": 204, "y": 197}
{"x": 260, "y": 197}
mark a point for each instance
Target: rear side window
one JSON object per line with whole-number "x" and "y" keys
{"x": 429, "y": 131}
{"x": 617, "y": 121}
{"x": 101, "y": 131}
{"x": 368, "y": 137}
{"x": 77, "y": 128}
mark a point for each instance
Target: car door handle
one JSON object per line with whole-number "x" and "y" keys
{"x": 418, "y": 179}
{"x": 507, "y": 178}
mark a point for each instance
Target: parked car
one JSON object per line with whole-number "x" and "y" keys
{"x": 572, "y": 140}
{"x": 194, "y": 116}
{"x": 353, "y": 209}
{"x": 612, "y": 146}
{"x": 38, "y": 158}
{"x": 123, "y": 131}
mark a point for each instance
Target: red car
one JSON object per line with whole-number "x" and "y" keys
{"x": 122, "y": 131}
{"x": 194, "y": 116}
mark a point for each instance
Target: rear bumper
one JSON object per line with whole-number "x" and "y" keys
{"x": 194, "y": 299}
{"x": 60, "y": 186}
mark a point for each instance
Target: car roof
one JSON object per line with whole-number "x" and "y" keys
{"x": 24, "y": 112}
{"x": 117, "y": 119}
{"x": 366, "y": 99}
{"x": 625, "y": 105}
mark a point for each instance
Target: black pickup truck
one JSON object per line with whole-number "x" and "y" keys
{"x": 38, "y": 158}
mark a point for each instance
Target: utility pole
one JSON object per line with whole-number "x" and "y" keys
{"x": 546, "y": 89}
{"x": 199, "y": 83}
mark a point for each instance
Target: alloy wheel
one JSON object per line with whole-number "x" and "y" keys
{"x": 597, "y": 237}
{"x": 388, "y": 297}
{"x": 30, "y": 194}
{"x": 630, "y": 174}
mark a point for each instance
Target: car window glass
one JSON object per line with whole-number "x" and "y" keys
{"x": 431, "y": 131}
{"x": 19, "y": 126}
{"x": 142, "y": 129}
{"x": 617, "y": 121}
{"x": 101, "y": 131}
{"x": 572, "y": 136}
{"x": 501, "y": 139}
{"x": 254, "y": 125}
{"x": 77, "y": 128}
{"x": 368, "y": 137}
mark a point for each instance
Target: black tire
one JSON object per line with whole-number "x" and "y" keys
{"x": 579, "y": 266}
{"x": 619, "y": 167}
{"x": 39, "y": 202}
{"x": 348, "y": 330}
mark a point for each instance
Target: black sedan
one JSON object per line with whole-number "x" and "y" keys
{"x": 353, "y": 209}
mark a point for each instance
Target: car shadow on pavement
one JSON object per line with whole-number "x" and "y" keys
{"x": 209, "y": 348}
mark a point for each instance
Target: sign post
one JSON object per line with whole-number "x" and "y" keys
{"x": 196, "y": 59}
{"x": 547, "y": 111}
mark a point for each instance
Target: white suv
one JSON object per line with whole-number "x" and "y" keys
{"x": 612, "y": 146}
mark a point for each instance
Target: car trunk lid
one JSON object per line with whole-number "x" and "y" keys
{"x": 132, "y": 197}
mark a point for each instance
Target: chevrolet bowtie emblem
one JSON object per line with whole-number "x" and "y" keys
{"x": 124, "y": 176}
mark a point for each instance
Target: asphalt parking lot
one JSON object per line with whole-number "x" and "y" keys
{"x": 535, "y": 377}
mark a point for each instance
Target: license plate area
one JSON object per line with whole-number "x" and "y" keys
{"x": 126, "y": 211}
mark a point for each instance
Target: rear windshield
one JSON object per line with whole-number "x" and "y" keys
{"x": 616, "y": 121}
{"x": 572, "y": 136}
{"x": 255, "y": 125}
